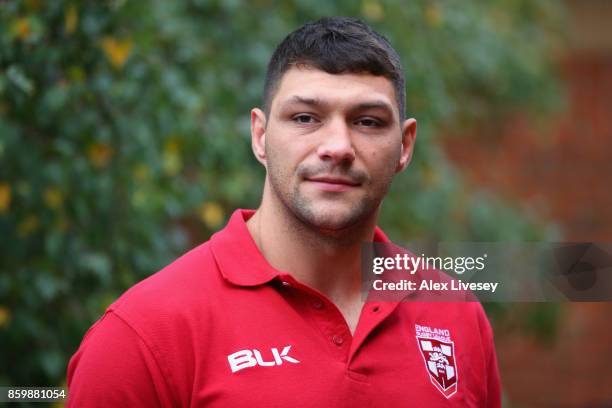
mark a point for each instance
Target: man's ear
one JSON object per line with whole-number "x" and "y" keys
{"x": 409, "y": 132}
{"x": 258, "y": 135}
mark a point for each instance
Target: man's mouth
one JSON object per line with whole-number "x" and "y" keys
{"x": 335, "y": 184}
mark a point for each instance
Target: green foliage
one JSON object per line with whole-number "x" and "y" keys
{"x": 124, "y": 133}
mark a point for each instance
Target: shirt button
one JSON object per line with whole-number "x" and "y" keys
{"x": 317, "y": 304}
{"x": 375, "y": 309}
{"x": 286, "y": 284}
{"x": 338, "y": 340}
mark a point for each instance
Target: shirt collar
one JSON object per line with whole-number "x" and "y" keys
{"x": 238, "y": 257}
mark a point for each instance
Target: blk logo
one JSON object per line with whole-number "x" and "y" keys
{"x": 251, "y": 358}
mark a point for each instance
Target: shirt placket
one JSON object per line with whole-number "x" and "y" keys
{"x": 321, "y": 313}
{"x": 325, "y": 317}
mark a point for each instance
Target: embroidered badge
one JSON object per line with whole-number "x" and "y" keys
{"x": 438, "y": 351}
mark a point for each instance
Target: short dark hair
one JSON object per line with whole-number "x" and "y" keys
{"x": 336, "y": 45}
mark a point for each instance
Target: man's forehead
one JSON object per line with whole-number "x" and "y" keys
{"x": 312, "y": 86}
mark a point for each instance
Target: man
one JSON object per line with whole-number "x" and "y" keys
{"x": 269, "y": 311}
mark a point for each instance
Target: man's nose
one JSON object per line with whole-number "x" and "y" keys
{"x": 337, "y": 144}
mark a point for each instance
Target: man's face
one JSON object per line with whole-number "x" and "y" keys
{"x": 332, "y": 144}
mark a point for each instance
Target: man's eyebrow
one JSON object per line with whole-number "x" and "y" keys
{"x": 374, "y": 105}
{"x": 297, "y": 99}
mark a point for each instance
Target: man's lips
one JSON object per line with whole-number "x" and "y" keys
{"x": 333, "y": 183}
{"x": 334, "y": 180}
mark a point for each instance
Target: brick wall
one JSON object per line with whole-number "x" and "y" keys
{"x": 564, "y": 171}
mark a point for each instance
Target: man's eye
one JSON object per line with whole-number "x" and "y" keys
{"x": 304, "y": 119}
{"x": 369, "y": 122}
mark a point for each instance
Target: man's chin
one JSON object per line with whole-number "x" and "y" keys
{"x": 333, "y": 222}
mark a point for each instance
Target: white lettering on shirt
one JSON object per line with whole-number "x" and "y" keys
{"x": 247, "y": 358}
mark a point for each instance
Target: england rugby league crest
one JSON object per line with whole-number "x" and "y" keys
{"x": 438, "y": 351}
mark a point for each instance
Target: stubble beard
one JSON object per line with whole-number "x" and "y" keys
{"x": 329, "y": 222}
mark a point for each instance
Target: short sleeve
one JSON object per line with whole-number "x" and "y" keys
{"x": 113, "y": 367}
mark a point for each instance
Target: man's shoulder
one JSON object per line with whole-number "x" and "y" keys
{"x": 184, "y": 286}
{"x": 152, "y": 328}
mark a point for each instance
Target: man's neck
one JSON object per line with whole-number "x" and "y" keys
{"x": 328, "y": 261}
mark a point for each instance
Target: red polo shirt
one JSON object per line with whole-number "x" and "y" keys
{"x": 219, "y": 327}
